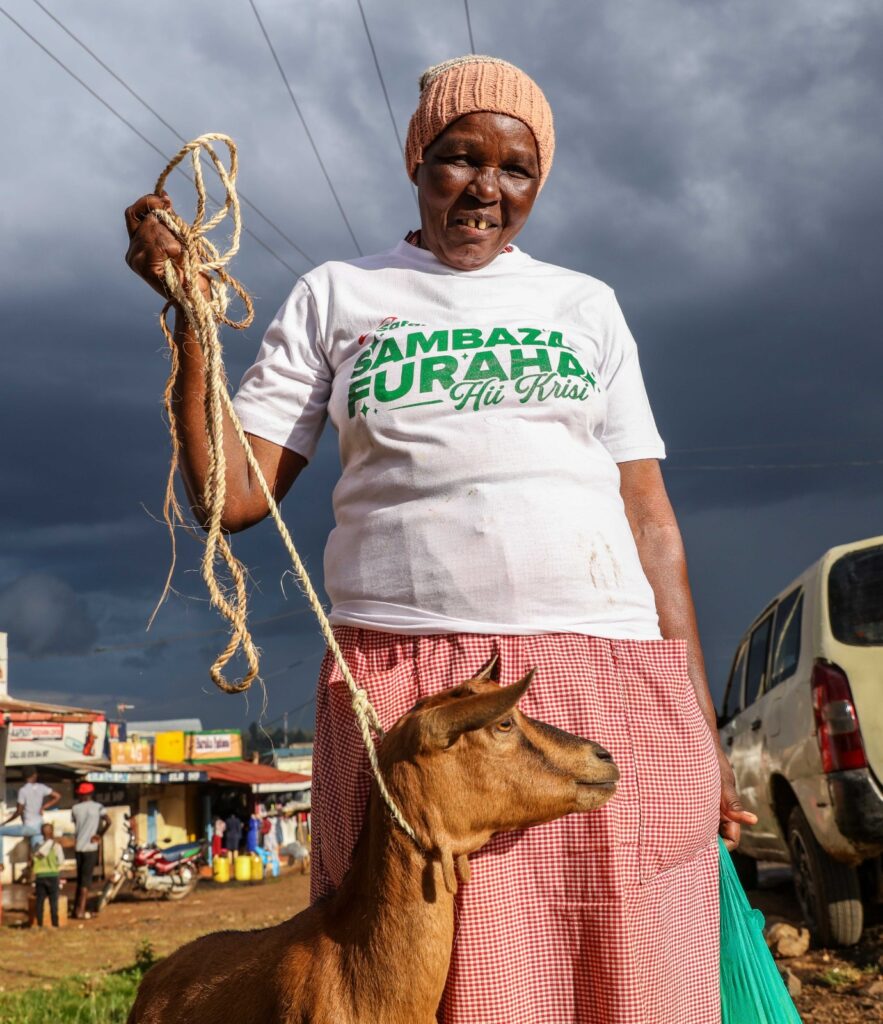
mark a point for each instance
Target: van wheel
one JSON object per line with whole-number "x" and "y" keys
{"x": 746, "y": 869}
{"x": 828, "y": 891}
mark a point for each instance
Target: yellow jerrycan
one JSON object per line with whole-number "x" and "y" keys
{"x": 221, "y": 869}
{"x": 242, "y": 867}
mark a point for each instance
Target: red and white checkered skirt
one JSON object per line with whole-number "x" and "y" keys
{"x": 609, "y": 917}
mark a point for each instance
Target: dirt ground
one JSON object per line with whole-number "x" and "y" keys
{"x": 31, "y": 958}
{"x": 838, "y": 986}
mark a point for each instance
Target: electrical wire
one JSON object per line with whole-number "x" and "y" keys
{"x": 118, "y": 78}
{"x": 132, "y": 127}
{"x": 306, "y": 128}
{"x": 737, "y": 467}
{"x": 764, "y": 446}
{"x": 291, "y": 711}
{"x": 469, "y": 27}
{"x": 383, "y": 87}
{"x": 196, "y": 635}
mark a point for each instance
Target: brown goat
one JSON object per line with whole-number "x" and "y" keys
{"x": 462, "y": 765}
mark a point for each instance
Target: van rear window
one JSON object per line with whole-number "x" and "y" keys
{"x": 855, "y": 597}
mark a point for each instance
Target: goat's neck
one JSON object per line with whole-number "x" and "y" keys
{"x": 397, "y": 923}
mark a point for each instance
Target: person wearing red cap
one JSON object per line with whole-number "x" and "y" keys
{"x": 90, "y": 823}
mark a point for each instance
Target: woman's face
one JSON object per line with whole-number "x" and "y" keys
{"x": 476, "y": 186}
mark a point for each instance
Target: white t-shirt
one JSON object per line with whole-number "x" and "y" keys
{"x": 481, "y": 415}
{"x": 31, "y": 796}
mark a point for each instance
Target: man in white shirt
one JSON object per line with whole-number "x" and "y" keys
{"x": 34, "y": 797}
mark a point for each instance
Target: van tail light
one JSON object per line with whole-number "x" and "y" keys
{"x": 840, "y": 740}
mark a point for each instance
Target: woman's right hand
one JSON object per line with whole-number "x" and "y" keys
{"x": 151, "y": 244}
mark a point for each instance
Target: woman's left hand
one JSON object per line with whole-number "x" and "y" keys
{"x": 733, "y": 814}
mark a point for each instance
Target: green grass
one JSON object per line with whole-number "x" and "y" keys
{"x": 80, "y": 999}
{"x": 837, "y": 977}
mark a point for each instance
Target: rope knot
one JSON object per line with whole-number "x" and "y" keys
{"x": 361, "y": 704}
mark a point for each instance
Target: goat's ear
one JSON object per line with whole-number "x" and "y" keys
{"x": 445, "y": 723}
{"x": 487, "y": 669}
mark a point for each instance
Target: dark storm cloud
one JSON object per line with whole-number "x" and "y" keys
{"x": 44, "y": 616}
{"x": 717, "y": 164}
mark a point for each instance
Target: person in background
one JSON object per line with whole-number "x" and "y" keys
{"x": 219, "y": 848}
{"x": 252, "y": 839}
{"x": 48, "y": 862}
{"x": 234, "y": 833}
{"x": 34, "y": 797}
{"x": 271, "y": 845}
{"x": 270, "y": 839}
{"x": 90, "y": 823}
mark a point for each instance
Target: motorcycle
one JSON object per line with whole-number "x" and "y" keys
{"x": 172, "y": 872}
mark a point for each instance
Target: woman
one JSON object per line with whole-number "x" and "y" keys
{"x": 500, "y": 494}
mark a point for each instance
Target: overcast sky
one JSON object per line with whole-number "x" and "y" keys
{"x": 719, "y": 164}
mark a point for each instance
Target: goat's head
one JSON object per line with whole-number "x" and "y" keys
{"x": 466, "y": 764}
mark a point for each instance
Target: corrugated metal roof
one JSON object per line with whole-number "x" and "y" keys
{"x": 250, "y": 773}
{"x": 13, "y": 706}
{"x": 165, "y": 725}
{"x": 260, "y": 778}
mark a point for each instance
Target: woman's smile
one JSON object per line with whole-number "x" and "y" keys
{"x": 476, "y": 187}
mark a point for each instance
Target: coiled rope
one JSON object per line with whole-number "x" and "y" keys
{"x": 201, "y": 256}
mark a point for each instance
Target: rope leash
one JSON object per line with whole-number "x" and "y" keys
{"x": 200, "y": 255}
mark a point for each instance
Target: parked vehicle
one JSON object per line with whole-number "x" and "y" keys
{"x": 802, "y": 724}
{"x": 172, "y": 872}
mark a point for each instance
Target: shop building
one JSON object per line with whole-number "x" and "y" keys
{"x": 63, "y": 743}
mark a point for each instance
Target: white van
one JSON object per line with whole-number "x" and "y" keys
{"x": 802, "y": 725}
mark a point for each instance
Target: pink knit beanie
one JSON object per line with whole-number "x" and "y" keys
{"x": 467, "y": 85}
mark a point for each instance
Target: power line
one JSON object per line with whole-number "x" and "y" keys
{"x": 737, "y": 467}
{"x": 469, "y": 26}
{"x": 764, "y": 446}
{"x": 196, "y": 635}
{"x": 132, "y": 127}
{"x": 383, "y": 85}
{"x": 118, "y": 78}
{"x": 292, "y": 711}
{"x": 162, "y": 641}
{"x": 309, "y": 134}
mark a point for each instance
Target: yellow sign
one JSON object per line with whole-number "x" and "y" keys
{"x": 169, "y": 746}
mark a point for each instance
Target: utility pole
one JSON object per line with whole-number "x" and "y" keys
{"x": 4, "y": 666}
{"x": 4, "y": 730}
{"x": 285, "y": 729}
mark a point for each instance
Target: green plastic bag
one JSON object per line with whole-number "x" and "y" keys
{"x": 752, "y": 990}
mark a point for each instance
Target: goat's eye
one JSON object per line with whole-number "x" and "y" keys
{"x": 505, "y": 725}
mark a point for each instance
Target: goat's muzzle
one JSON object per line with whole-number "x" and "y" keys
{"x": 597, "y": 784}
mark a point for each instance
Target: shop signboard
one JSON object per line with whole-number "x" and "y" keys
{"x": 214, "y": 746}
{"x": 169, "y": 746}
{"x": 122, "y": 777}
{"x": 54, "y": 742}
{"x": 136, "y": 754}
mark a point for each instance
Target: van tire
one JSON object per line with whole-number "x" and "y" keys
{"x": 746, "y": 869}
{"x": 828, "y": 891}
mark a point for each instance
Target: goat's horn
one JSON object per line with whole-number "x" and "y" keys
{"x": 448, "y": 721}
{"x": 487, "y": 669}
